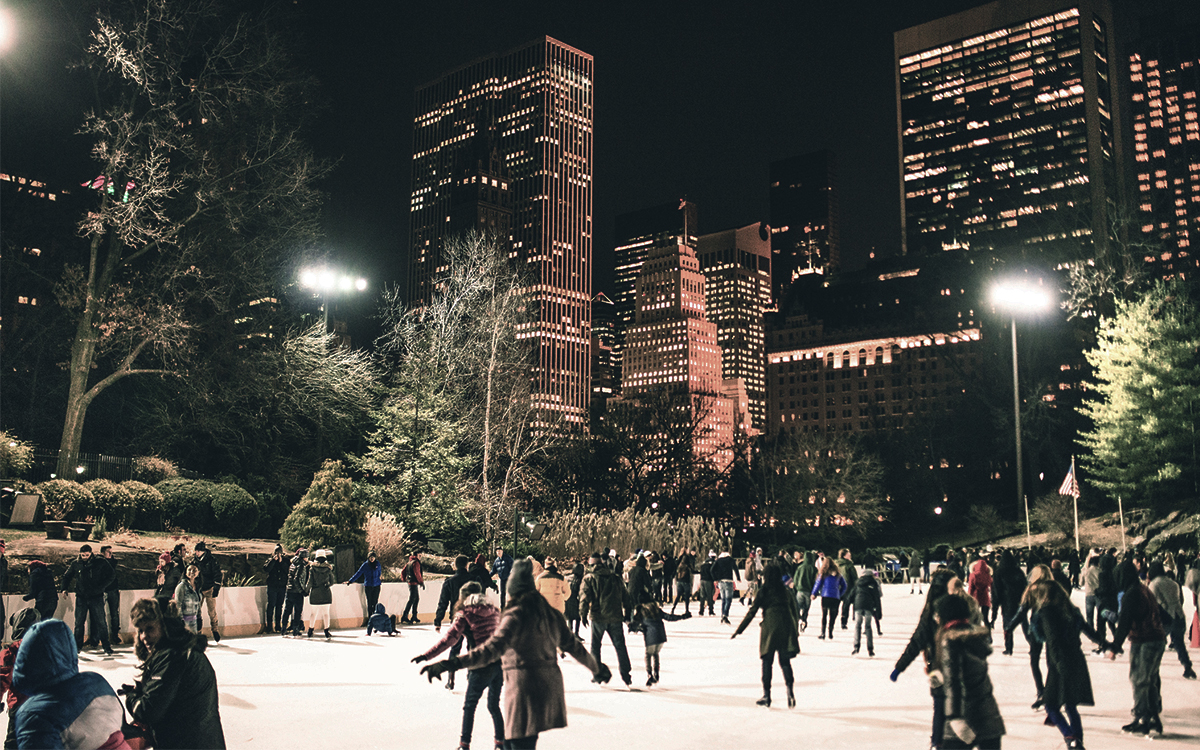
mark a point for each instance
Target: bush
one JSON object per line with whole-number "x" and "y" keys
{"x": 1055, "y": 515}
{"x": 570, "y": 534}
{"x": 273, "y": 510}
{"x": 385, "y": 537}
{"x": 187, "y": 503}
{"x": 147, "y": 506}
{"x": 235, "y": 511}
{"x": 65, "y": 500}
{"x": 16, "y": 456}
{"x": 153, "y": 469}
{"x": 327, "y": 515}
{"x": 112, "y": 502}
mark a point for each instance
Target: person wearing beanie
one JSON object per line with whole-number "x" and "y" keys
{"x": 415, "y": 579}
{"x": 276, "y": 571}
{"x": 526, "y": 643}
{"x": 91, "y": 577}
{"x": 320, "y": 593}
{"x": 166, "y": 578}
{"x": 370, "y": 575}
{"x": 42, "y": 589}
{"x": 297, "y": 589}
{"x": 475, "y": 622}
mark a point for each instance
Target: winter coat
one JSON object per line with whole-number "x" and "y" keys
{"x": 42, "y": 590}
{"x": 806, "y": 573}
{"x": 706, "y": 571}
{"x": 91, "y": 577}
{"x": 297, "y": 579}
{"x": 779, "y": 629}
{"x": 1091, "y": 580}
{"x": 368, "y": 574}
{"x": 849, "y": 572}
{"x": 1067, "y": 680}
{"x": 380, "y": 621}
{"x": 867, "y": 596}
{"x": 502, "y": 566}
{"x": 1139, "y": 619}
{"x": 412, "y": 574}
{"x": 961, "y": 657}
{"x": 188, "y": 598}
{"x": 276, "y": 571}
{"x": 572, "y": 606}
{"x": 65, "y": 707}
{"x": 1010, "y": 586}
{"x": 480, "y": 573}
{"x": 639, "y": 586}
{"x": 833, "y": 587}
{"x": 1106, "y": 584}
{"x": 476, "y": 620}
{"x": 751, "y": 570}
{"x": 603, "y": 597}
{"x": 210, "y": 571}
{"x": 526, "y": 644}
{"x": 450, "y": 590}
{"x": 922, "y": 641}
{"x": 176, "y": 695}
{"x": 980, "y": 583}
{"x": 320, "y": 582}
{"x": 654, "y": 629}
{"x": 554, "y": 587}
{"x": 1125, "y": 574}
{"x": 1169, "y": 597}
{"x": 724, "y": 569}
{"x": 111, "y": 562}
{"x": 914, "y": 565}
{"x": 171, "y": 574}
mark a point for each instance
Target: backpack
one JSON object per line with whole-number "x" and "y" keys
{"x": 406, "y": 575}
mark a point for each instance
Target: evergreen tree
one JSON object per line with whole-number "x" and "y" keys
{"x": 1143, "y": 441}
{"x": 327, "y": 515}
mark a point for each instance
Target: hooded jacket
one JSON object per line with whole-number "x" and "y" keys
{"x": 848, "y": 571}
{"x": 867, "y": 595}
{"x": 297, "y": 578}
{"x": 979, "y": 584}
{"x": 320, "y": 583}
{"x": 603, "y": 597}
{"x": 806, "y": 573}
{"x": 477, "y": 619}
{"x": 66, "y": 708}
{"x": 369, "y": 573}
{"x": 380, "y": 621}
{"x": 177, "y": 692}
{"x": 962, "y": 652}
{"x": 725, "y": 569}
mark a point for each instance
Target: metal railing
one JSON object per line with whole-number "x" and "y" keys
{"x": 87, "y": 466}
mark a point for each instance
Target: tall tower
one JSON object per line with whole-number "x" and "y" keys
{"x": 1007, "y": 130}
{"x": 737, "y": 271}
{"x": 804, "y": 218}
{"x": 529, "y": 110}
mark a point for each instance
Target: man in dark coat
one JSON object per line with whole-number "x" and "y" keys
{"x": 42, "y": 589}
{"x": 297, "y": 589}
{"x": 176, "y": 694}
{"x": 91, "y": 577}
{"x": 604, "y": 602}
{"x": 112, "y": 596}
{"x": 501, "y": 567}
{"x": 1139, "y": 621}
{"x": 276, "y": 569}
{"x": 210, "y": 586}
{"x": 846, "y": 567}
{"x": 1009, "y": 583}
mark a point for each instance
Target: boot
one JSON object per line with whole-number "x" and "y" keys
{"x": 1137, "y": 726}
{"x": 216, "y": 635}
{"x": 328, "y": 635}
{"x": 649, "y": 670}
{"x": 1155, "y": 725}
{"x": 791, "y": 697}
{"x": 310, "y": 632}
{"x": 765, "y": 700}
{"x": 1189, "y": 674}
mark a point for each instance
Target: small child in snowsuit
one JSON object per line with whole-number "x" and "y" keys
{"x": 654, "y": 632}
{"x": 382, "y": 622}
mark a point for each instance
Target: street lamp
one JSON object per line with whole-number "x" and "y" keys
{"x": 324, "y": 281}
{"x": 7, "y": 29}
{"x": 1019, "y": 297}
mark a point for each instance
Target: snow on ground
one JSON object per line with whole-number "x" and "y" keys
{"x": 364, "y": 693}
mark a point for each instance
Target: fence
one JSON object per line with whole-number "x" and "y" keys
{"x": 87, "y": 466}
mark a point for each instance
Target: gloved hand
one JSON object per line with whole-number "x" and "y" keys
{"x": 603, "y": 674}
{"x": 419, "y": 658}
{"x": 435, "y": 669}
{"x": 963, "y": 730}
{"x": 687, "y": 615}
{"x": 895, "y": 675}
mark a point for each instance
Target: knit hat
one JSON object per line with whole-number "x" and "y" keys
{"x": 201, "y": 546}
{"x": 85, "y": 548}
{"x": 371, "y": 553}
{"x": 165, "y": 557}
{"x": 520, "y": 580}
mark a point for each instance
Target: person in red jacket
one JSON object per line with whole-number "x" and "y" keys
{"x": 413, "y": 577}
{"x": 979, "y": 585}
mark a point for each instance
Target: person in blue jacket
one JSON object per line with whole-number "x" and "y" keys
{"x": 381, "y": 622}
{"x": 501, "y": 567}
{"x": 369, "y": 575}
{"x": 63, "y": 702}
{"x": 831, "y": 587}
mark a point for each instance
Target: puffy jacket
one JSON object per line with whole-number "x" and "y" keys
{"x": 172, "y": 574}
{"x": 451, "y": 587}
{"x": 297, "y": 580}
{"x": 806, "y": 573}
{"x": 368, "y": 574}
{"x": 188, "y": 598}
{"x": 66, "y": 708}
{"x": 380, "y": 621}
{"x": 962, "y": 652}
{"x": 724, "y": 569}
{"x": 502, "y": 566}
{"x": 320, "y": 582}
{"x": 210, "y": 570}
{"x": 477, "y": 619}
{"x": 980, "y": 583}
{"x": 603, "y": 597}
{"x": 277, "y": 572}
{"x": 177, "y": 692}
{"x": 554, "y": 587}
{"x": 867, "y": 595}
{"x": 91, "y": 577}
{"x": 41, "y": 584}
{"x": 833, "y": 586}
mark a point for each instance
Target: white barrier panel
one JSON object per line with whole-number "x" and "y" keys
{"x": 240, "y": 610}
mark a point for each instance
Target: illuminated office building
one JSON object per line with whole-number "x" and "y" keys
{"x": 604, "y": 369}
{"x": 804, "y": 219}
{"x": 531, "y": 108}
{"x": 1164, "y": 75}
{"x": 737, "y": 271}
{"x": 1008, "y": 136}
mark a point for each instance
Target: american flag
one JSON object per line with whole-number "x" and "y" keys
{"x": 1070, "y": 487}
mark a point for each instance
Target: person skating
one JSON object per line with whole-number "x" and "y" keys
{"x": 640, "y": 583}
{"x": 708, "y": 585}
{"x": 914, "y": 573}
{"x": 1169, "y": 596}
{"x": 572, "y": 608}
{"x": 846, "y": 567}
{"x": 1139, "y": 622}
{"x": 501, "y": 567}
{"x": 370, "y": 575}
{"x": 803, "y": 580}
{"x": 654, "y": 635}
{"x": 972, "y": 718}
{"x": 868, "y": 602}
{"x": 91, "y": 577}
{"x": 724, "y": 572}
{"x": 685, "y": 570}
{"x": 526, "y": 643}
{"x": 276, "y": 571}
{"x": 320, "y": 594}
{"x": 412, "y": 575}
{"x": 1039, "y": 573}
{"x": 605, "y": 604}
{"x": 922, "y": 642}
{"x": 42, "y": 589}
{"x": 297, "y": 589}
{"x": 553, "y": 586}
{"x": 751, "y": 573}
{"x": 112, "y": 596}
{"x": 831, "y": 587}
{"x": 211, "y": 579}
{"x": 1009, "y": 583}
{"x": 979, "y": 585}
{"x": 779, "y": 631}
{"x": 475, "y": 621}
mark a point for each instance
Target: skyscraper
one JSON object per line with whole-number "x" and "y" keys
{"x": 522, "y": 121}
{"x": 737, "y": 272}
{"x": 804, "y": 218}
{"x": 1008, "y": 137}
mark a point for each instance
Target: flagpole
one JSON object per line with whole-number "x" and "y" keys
{"x": 1121, "y": 513}
{"x": 1028, "y": 533}
{"x": 1076, "y": 499}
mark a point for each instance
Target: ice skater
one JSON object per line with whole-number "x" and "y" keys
{"x": 779, "y": 630}
{"x": 654, "y": 634}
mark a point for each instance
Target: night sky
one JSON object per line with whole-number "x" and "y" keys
{"x": 691, "y": 100}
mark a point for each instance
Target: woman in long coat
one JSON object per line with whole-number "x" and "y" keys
{"x": 526, "y": 643}
{"x": 780, "y": 630}
{"x": 1068, "y": 683}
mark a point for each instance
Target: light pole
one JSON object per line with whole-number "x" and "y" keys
{"x": 324, "y": 281}
{"x": 1019, "y": 297}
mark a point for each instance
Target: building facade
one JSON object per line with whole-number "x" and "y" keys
{"x": 804, "y": 218}
{"x": 1009, "y": 139}
{"x": 522, "y": 121}
{"x": 737, "y": 271}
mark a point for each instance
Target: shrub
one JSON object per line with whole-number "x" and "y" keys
{"x": 187, "y": 503}
{"x": 65, "y": 500}
{"x": 234, "y": 510}
{"x": 16, "y": 456}
{"x": 153, "y": 469}
{"x": 385, "y": 537}
{"x": 273, "y": 510}
{"x": 327, "y": 515}
{"x": 111, "y": 501}
{"x": 1055, "y": 515}
{"x": 147, "y": 505}
{"x": 573, "y": 534}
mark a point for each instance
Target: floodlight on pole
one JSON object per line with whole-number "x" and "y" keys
{"x": 1019, "y": 297}
{"x": 325, "y": 281}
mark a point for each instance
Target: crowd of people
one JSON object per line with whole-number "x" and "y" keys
{"x": 512, "y": 652}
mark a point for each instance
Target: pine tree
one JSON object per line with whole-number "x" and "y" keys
{"x": 327, "y": 515}
{"x": 1143, "y": 441}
